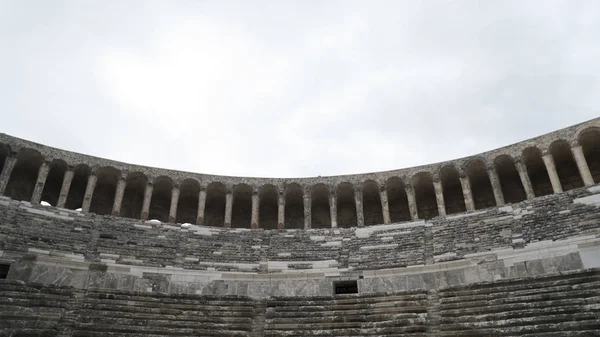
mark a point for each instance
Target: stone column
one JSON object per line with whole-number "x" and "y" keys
{"x": 385, "y": 207}
{"x": 551, "y": 168}
{"x": 174, "y": 201}
{"x": 307, "y": 212}
{"x": 582, "y": 164}
{"x": 201, "y": 206}
{"x": 39, "y": 184}
{"x": 333, "y": 209}
{"x": 119, "y": 197}
{"x": 66, "y": 186}
{"x": 496, "y": 187}
{"x": 280, "y": 211}
{"x": 439, "y": 195}
{"x": 522, "y": 169}
{"x": 228, "y": 208}
{"x": 89, "y": 192}
{"x": 467, "y": 194}
{"x": 412, "y": 202}
{"x": 9, "y": 164}
{"x": 255, "y": 209}
{"x": 358, "y": 200}
{"x": 147, "y": 200}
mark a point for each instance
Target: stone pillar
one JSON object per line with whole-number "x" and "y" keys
{"x": 358, "y": 199}
{"x": 255, "y": 209}
{"x": 496, "y": 187}
{"x": 147, "y": 200}
{"x": 9, "y": 164}
{"x": 228, "y": 208}
{"x": 280, "y": 211}
{"x": 39, "y": 184}
{"x": 89, "y": 192}
{"x": 385, "y": 207}
{"x": 467, "y": 194}
{"x": 66, "y": 186}
{"x": 333, "y": 209}
{"x": 412, "y": 202}
{"x": 582, "y": 164}
{"x": 119, "y": 197}
{"x": 439, "y": 195}
{"x": 174, "y": 202}
{"x": 522, "y": 169}
{"x": 201, "y": 206}
{"x": 551, "y": 168}
{"x": 307, "y": 212}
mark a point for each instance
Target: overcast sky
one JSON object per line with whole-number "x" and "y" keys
{"x": 295, "y": 88}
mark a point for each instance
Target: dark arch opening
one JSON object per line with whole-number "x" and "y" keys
{"x": 425, "y": 195}
{"x": 567, "y": 170}
{"x": 4, "y": 153}
{"x": 294, "y": 206}
{"x": 241, "y": 214}
{"x": 81, "y": 174}
{"x": 133, "y": 197}
{"x": 187, "y": 206}
{"x": 24, "y": 175}
{"x": 454, "y": 199}
{"x": 481, "y": 187}
{"x": 372, "y": 210}
{"x": 510, "y": 181}
{"x": 214, "y": 208}
{"x": 160, "y": 204}
{"x": 104, "y": 192}
{"x": 319, "y": 209}
{"x": 536, "y": 170}
{"x": 346, "y": 205}
{"x": 54, "y": 181}
{"x": 268, "y": 207}
{"x": 589, "y": 140}
{"x": 397, "y": 200}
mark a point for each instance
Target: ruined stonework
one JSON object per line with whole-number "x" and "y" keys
{"x": 506, "y": 243}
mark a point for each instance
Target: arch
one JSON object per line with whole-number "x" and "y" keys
{"x": 104, "y": 192}
{"x": 536, "y": 170}
{"x": 54, "y": 181}
{"x": 319, "y": 209}
{"x": 214, "y": 208}
{"x": 133, "y": 197}
{"x": 589, "y": 139}
{"x": 397, "y": 200}
{"x": 4, "y": 154}
{"x": 481, "y": 187}
{"x": 268, "y": 207}
{"x": 187, "y": 205}
{"x": 346, "y": 205}
{"x": 241, "y": 213}
{"x": 24, "y": 175}
{"x": 510, "y": 181}
{"x": 454, "y": 199}
{"x": 427, "y": 208}
{"x": 81, "y": 173}
{"x": 372, "y": 210}
{"x": 160, "y": 204}
{"x": 294, "y": 206}
{"x": 566, "y": 167}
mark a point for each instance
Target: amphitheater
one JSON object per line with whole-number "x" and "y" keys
{"x": 503, "y": 243}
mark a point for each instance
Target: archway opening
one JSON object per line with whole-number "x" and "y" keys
{"x": 214, "y": 208}
{"x": 241, "y": 214}
{"x": 160, "y": 204}
{"x": 104, "y": 192}
{"x": 294, "y": 206}
{"x": 536, "y": 170}
{"x": 187, "y": 206}
{"x": 454, "y": 200}
{"x": 373, "y": 213}
{"x": 481, "y": 187}
{"x": 397, "y": 200}
{"x": 510, "y": 181}
{"x": 54, "y": 181}
{"x": 566, "y": 168}
{"x": 589, "y": 140}
{"x": 133, "y": 197}
{"x": 319, "y": 209}
{"x": 81, "y": 174}
{"x": 268, "y": 208}
{"x": 425, "y": 195}
{"x": 24, "y": 175}
{"x": 346, "y": 206}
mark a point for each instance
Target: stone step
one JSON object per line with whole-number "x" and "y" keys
{"x": 347, "y": 299}
{"x": 541, "y": 330}
{"x": 205, "y": 316}
{"x": 116, "y": 329}
{"x": 28, "y": 332}
{"x": 489, "y": 322}
{"x": 405, "y": 317}
{"x": 294, "y": 330}
{"x": 157, "y": 321}
{"x": 516, "y": 314}
{"x": 343, "y": 307}
{"x": 329, "y": 313}
{"x": 135, "y": 306}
